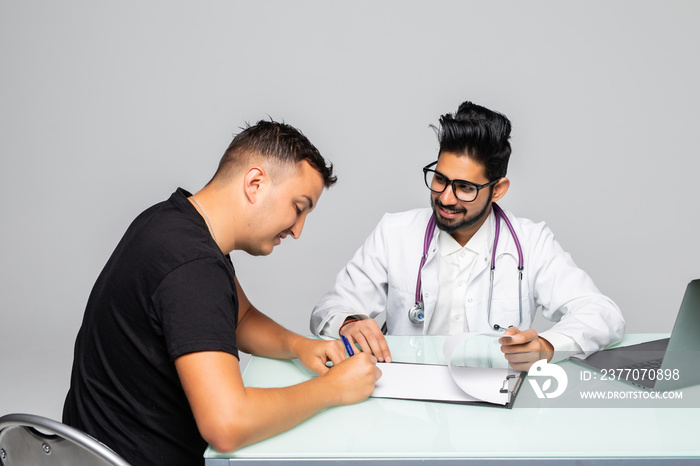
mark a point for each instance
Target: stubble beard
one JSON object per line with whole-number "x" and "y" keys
{"x": 466, "y": 222}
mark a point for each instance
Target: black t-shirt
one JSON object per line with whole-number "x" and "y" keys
{"x": 167, "y": 290}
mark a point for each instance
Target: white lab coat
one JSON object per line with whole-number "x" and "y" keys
{"x": 381, "y": 277}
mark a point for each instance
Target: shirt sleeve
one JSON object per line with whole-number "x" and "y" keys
{"x": 196, "y": 306}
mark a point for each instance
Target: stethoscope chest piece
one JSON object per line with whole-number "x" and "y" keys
{"x": 416, "y": 314}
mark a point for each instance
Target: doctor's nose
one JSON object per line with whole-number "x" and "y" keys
{"x": 447, "y": 197}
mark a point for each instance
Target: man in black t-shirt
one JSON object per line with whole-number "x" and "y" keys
{"x": 156, "y": 373}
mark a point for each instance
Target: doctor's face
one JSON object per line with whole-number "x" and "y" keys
{"x": 453, "y": 215}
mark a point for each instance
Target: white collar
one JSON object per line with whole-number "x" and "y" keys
{"x": 477, "y": 244}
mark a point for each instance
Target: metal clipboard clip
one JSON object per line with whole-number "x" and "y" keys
{"x": 504, "y": 388}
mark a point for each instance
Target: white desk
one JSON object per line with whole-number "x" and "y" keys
{"x": 393, "y": 432}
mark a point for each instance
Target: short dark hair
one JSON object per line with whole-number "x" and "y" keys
{"x": 480, "y": 133}
{"x": 285, "y": 145}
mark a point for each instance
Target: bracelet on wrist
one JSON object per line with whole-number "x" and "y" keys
{"x": 348, "y": 321}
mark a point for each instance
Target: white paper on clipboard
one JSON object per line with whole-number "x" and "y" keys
{"x": 448, "y": 383}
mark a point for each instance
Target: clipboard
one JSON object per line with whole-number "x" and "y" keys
{"x": 456, "y": 382}
{"x": 436, "y": 383}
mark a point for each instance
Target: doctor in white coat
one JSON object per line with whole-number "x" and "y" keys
{"x": 461, "y": 290}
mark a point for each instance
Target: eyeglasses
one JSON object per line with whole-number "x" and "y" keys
{"x": 465, "y": 191}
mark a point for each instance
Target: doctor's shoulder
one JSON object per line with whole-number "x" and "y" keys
{"x": 403, "y": 230}
{"x": 536, "y": 236}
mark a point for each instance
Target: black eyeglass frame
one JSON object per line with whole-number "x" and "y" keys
{"x": 449, "y": 182}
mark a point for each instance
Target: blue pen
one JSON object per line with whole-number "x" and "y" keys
{"x": 348, "y": 347}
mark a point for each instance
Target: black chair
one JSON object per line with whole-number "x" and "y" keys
{"x": 30, "y": 440}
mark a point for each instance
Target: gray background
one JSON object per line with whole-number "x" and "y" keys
{"x": 107, "y": 107}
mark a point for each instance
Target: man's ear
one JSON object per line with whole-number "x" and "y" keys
{"x": 500, "y": 189}
{"x": 253, "y": 181}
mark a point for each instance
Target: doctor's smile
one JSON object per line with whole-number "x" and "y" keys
{"x": 448, "y": 212}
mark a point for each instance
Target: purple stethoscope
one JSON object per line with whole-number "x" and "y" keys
{"x": 417, "y": 313}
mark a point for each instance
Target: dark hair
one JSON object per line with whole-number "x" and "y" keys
{"x": 480, "y": 133}
{"x": 285, "y": 145}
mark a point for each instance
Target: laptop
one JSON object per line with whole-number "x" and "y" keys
{"x": 661, "y": 365}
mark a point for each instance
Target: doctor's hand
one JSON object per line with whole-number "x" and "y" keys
{"x": 524, "y": 348}
{"x": 368, "y": 335}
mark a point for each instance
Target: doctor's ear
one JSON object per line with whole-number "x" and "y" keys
{"x": 253, "y": 181}
{"x": 500, "y": 189}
